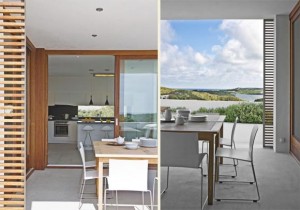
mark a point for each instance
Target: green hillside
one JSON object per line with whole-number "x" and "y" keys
{"x": 196, "y": 95}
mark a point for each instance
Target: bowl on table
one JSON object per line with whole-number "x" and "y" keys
{"x": 131, "y": 145}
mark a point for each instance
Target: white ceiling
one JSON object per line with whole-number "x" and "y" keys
{"x": 69, "y": 24}
{"x": 224, "y": 9}
{"x": 72, "y": 65}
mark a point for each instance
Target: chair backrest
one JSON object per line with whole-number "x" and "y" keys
{"x": 82, "y": 155}
{"x": 252, "y": 138}
{"x": 131, "y": 175}
{"x": 233, "y": 130}
{"x": 179, "y": 150}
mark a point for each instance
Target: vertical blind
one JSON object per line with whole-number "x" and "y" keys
{"x": 12, "y": 105}
{"x": 268, "y": 83}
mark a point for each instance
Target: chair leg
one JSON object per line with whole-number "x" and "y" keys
{"x": 165, "y": 190}
{"x": 81, "y": 183}
{"x": 255, "y": 182}
{"x": 143, "y": 199}
{"x": 243, "y": 199}
{"x": 117, "y": 202}
{"x": 151, "y": 201}
{"x": 81, "y": 194}
{"x": 234, "y": 165}
{"x": 201, "y": 188}
{"x": 105, "y": 199}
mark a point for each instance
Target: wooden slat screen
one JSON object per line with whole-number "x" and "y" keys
{"x": 268, "y": 83}
{"x": 12, "y": 105}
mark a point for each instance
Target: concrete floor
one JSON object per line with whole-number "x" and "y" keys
{"x": 278, "y": 181}
{"x": 66, "y": 154}
{"x": 58, "y": 189}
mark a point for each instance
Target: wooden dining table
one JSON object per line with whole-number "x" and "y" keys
{"x": 211, "y": 130}
{"x": 107, "y": 150}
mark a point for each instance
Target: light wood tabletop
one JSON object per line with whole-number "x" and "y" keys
{"x": 211, "y": 131}
{"x": 105, "y": 151}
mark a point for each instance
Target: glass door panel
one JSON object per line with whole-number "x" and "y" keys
{"x": 296, "y": 81}
{"x": 138, "y": 98}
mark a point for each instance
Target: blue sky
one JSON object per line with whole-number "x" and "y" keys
{"x": 213, "y": 54}
{"x": 199, "y": 34}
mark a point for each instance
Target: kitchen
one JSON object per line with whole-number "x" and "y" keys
{"x": 80, "y": 105}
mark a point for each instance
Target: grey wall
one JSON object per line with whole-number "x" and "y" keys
{"x": 282, "y": 84}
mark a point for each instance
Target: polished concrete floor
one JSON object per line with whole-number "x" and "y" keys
{"x": 66, "y": 154}
{"x": 278, "y": 181}
{"x": 58, "y": 189}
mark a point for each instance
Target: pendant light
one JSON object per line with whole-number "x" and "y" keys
{"x": 91, "y": 99}
{"x": 106, "y": 102}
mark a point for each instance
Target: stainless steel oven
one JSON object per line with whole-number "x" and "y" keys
{"x": 61, "y": 128}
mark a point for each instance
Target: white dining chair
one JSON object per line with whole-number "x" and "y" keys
{"x": 228, "y": 142}
{"x": 181, "y": 150}
{"x": 241, "y": 155}
{"x": 87, "y": 174}
{"x": 128, "y": 175}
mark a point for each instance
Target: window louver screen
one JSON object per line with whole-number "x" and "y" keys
{"x": 12, "y": 105}
{"x": 268, "y": 83}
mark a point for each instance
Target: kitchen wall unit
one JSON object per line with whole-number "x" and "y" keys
{"x": 76, "y": 90}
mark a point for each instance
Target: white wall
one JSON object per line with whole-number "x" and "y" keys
{"x": 74, "y": 90}
{"x": 282, "y": 84}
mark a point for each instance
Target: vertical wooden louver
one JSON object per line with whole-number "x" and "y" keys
{"x": 268, "y": 83}
{"x": 12, "y": 105}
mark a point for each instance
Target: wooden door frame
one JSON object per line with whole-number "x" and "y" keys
{"x": 30, "y": 138}
{"x": 294, "y": 142}
{"x": 39, "y": 100}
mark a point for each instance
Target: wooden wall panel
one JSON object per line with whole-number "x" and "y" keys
{"x": 12, "y": 105}
{"x": 39, "y": 109}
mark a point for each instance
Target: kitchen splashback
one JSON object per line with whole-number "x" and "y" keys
{"x": 59, "y": 111}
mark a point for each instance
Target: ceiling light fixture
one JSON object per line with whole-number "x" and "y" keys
{"x": 99, "y": 9}
{"x": 94, "y": 35}
{"x": 103, "y": 75}
{"x": 91, "y": 98}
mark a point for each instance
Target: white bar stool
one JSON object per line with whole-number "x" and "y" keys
{"x": 106, "y": 129}
{"x": 87, "y": 129}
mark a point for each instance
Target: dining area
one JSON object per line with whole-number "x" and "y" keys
{"x": 194, "y": 154}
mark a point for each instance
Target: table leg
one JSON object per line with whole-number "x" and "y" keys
{"x": 211, "y": 169}
{"x": 221, "y": 136}
{"x": 218, "y": 159}
{"x": 100, "y": 185}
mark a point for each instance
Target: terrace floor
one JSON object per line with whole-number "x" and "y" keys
{"x": 278, "y": 181}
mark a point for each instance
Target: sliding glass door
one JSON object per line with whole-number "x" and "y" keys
{"x": 138, "y": 97}
{"x": 295, "y": 82}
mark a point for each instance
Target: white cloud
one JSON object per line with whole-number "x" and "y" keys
{"x": 236, "y": 62}
{"x": 167, "y": 34}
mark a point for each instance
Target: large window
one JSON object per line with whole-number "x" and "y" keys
{"x": 138, "y": 98}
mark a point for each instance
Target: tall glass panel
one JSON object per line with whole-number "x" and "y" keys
{"x": 138, "y": 98}
{"x": 296, "y": 80}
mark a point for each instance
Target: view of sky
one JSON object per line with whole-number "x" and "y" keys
{"x": 211, "y": 54}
